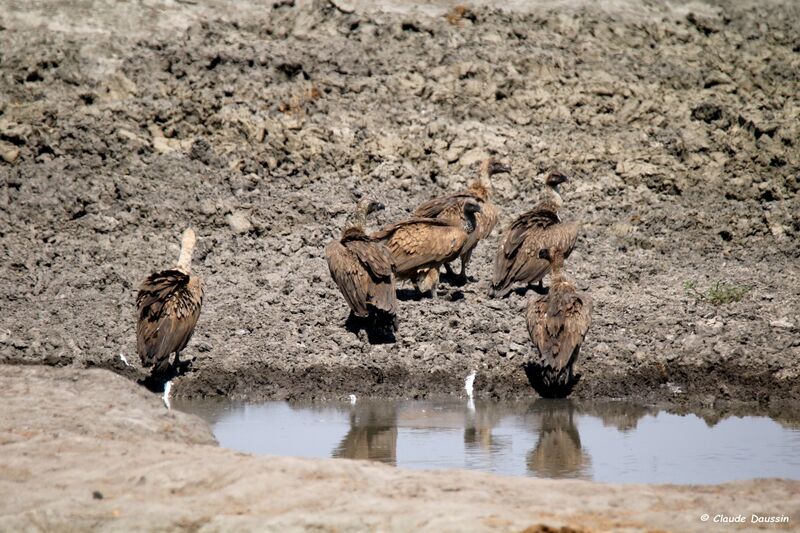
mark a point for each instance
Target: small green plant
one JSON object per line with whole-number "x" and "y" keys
{"x": 719, "y": 293}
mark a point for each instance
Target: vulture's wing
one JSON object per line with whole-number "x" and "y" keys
{"x": 379, "y": 263}
{"x": 349, "y": 275}
{"x": 557, "y": 323}
{"x": 525, "y": 265}
{"x": 424, "y": 242}
{"x": 169, "y": 305}
{"x": 374, "y": 256}
{"x": 449, "y": 207}
{"x": 527, "y": 225}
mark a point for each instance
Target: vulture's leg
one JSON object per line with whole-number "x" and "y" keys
{"x": 449, "y": 269}
{"x": 464, "y": 261}
{"x": 181, "y": 366}
{"x": 538, "y": 288}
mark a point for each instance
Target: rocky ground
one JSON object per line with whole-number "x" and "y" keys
{"x": 121, "y": 124}
{"x": 96, "y": 452}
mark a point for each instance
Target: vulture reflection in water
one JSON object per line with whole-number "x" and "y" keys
{"x": 558, "y": 452}
{"x": 372, "y": 434}
{"x": 168, "y": 306}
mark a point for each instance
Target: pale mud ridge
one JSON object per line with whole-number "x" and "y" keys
{"x": 255, "y": 125}
{"x": 97, "y": 453}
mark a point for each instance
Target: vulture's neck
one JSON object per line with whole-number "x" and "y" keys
{"x": 480, "y": 189}
{"x": 185, "y": 259}
{"x": 469, "y": 222}
{"x": 556, "y": 269}
{"x": 555, "y": 197}
{"x": 357, "y": 220}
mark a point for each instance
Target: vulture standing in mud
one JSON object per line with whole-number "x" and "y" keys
{"x": 169, "y": 305}
{"x": 557, "y": 324}
{"x": 421, "y": 244}
{"x": 451, "y": 208}
{"x": 517, "y": 260}
{"x": 363, "y": 269}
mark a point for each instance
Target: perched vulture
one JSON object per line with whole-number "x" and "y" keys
{"x": 451, "y": 208}
{"x": 169, "y": 305}
{"x": 517, "y": 260}
{"x": 363, "y": 268}
{"x": 422, "y": 244}
{"x": 557, "y": 324}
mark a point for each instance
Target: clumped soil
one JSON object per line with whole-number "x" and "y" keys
{"x": 259, "y": 126}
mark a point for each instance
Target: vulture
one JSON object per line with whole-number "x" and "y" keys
{"x": 451, "y": 208}
{"x": 557, "y": 324}
{"x": 169, "y": 305}
{"x": 363, "y": 268}
{"x": 517, "y": 260}
{"x": 422, "y": 244}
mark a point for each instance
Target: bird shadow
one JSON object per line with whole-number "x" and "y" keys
{"x": 535, "y": 374}
{"x": 523, "y": 291}
{"x": 454, "y": 280}
{"x": 408, "y": 295}
{"x": 156, "y": 382}
{"x": 379, "y": 330}
{"x": 455, "y": 296}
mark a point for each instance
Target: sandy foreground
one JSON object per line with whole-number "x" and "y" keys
{"x": 83, "y": 450}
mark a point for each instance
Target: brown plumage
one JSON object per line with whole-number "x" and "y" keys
{"x": 168, "y": 306}
{"x": 363, "y": 269}
{"x": 451, "y": 207}
{"x": 421, "y": 244}
{"x": 517, "y": 260}
{"x": 557, "y": 324}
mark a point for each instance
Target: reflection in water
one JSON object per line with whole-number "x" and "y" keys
{"x": 372, "y": 435}
{"x": 478, "y": 425}
{"x": 606, "y": 441}
{"x": 558, "y": 452}
{"x": 621, "y": 415}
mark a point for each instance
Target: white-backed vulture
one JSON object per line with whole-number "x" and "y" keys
{"x": 363, "y": 268}
{"x": 451, "y": 207}
{"x": 517, "y": 260}
{"x": 557, "y": 325}
{"x": 168, "y": 306}
{"x": 422, "y": 244}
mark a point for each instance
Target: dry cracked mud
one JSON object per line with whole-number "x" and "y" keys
{"x": 257, "y": 124}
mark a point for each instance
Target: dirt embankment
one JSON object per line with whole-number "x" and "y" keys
{"x": 89, "y": 450}
{"x": 256, "y": 124}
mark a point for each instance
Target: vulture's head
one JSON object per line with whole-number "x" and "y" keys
{"x": 470, "y": 208}
{"x": 491, "y": 166}
{"x": 496, "y": 167}
{"x": 554, "y": 179}
{"x": 367, "y": 206}
{"x": 373, "y": 206}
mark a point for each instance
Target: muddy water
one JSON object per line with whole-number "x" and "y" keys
{"x": 609, "y": 442}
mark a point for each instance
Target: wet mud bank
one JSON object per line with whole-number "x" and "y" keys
{"x": 258, "y": 126}
{"x": 124, "y": 463}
